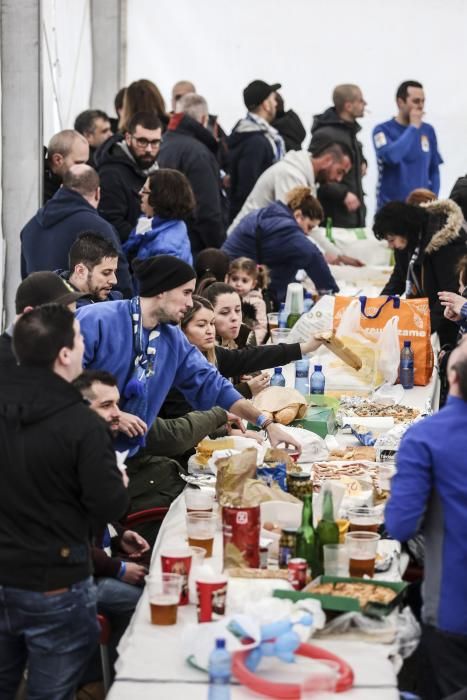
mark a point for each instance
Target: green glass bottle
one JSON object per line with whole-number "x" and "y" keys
{"x": 329, "y": 235}
{"x": 328, "y": 530}
{"x": 295, "y": 312}
{"x": 307, "y": 538}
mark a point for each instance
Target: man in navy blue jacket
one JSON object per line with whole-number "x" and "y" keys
{"x": 48, "y": 236}
{"x": 429, "y": 494}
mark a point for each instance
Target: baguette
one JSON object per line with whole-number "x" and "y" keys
{"x": 335, "y": 345}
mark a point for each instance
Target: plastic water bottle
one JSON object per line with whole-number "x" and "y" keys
{"x": 277, "y": 378}
{"x": 308, "y": 302}
{"x": 301, "y": 376}
{"x": 406, "y": 368}
{"x": 282, "y": 316}
{"x": 317, "y": 381}
{"x": 219, "y": 672}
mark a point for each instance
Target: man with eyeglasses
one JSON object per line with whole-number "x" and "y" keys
{"x": 124, "y": 162}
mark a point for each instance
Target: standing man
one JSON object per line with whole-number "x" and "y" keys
{"x": 190, "y": 147}
{"x": 58, "y": 475}
{"x": 140, "y": 343}
{"x": 429, "y": 495}
{"x": 124, "y": 162}
{"x": 94, "y": 125}
{"x": 254, "y": 145}
{"x": 65, "y": 149}
{"x": 343, "y": 201}
{"x": 406, "y": 148}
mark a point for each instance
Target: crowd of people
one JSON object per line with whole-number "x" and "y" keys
{"x": 142, "y": 326}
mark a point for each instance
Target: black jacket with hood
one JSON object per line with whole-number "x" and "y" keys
{"x": 290, "y": 127}
{"x": 327, "y": 128}
{"x": 58, "y": 479}
{"x": 442, "y": 244}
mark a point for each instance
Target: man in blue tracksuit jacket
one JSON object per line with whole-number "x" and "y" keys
{"x": 429, "y": 494}
{"x": 406, "y": 149}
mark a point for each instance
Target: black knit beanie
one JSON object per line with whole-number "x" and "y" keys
{"x": 161, "y": 273}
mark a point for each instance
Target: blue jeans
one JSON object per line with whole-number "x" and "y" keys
{"x": 53, "y": 634}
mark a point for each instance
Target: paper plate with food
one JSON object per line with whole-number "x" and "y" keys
{"x": 207, "y": 451}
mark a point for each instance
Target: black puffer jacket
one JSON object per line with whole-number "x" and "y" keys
{"x": 290, "y": 127}
{"x": 442, "y": 244}
{"x": 58, "y": 477}
{"x": 121, "y": 181}
{"x": 327, "y": 128}
{"x": 191, "y": 148}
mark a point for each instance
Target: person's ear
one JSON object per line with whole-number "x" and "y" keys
{"x": 298, "y": 216}
{"x": 127, "y": 138}
{"x": 56, "y": 161}
{"x": 64, "y": 355}
{"x": 81, "y": 271}
{"x": 97, "y": 195}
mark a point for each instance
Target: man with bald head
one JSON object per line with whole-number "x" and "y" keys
{"x": 343, "y": 201}
{"x": 429, "y": 495}
{"x": 65, "y": 149}
{"x": 47, "y": 237}
{"x": 183, "y": 87}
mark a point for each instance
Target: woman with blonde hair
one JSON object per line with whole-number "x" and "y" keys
{"x": 142, "y": 96}
{"x": 276, "y": 236}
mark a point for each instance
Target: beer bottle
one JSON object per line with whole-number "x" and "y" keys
{"x": 328, "y": 530}
{"x": 307, "y": 538}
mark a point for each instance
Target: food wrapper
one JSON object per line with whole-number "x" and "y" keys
{"x": 232, "y": 473}
{"x": 274, "y": 474}
{"x": 274, "y": 455}
{"x": 282, "y": 404}
{"x": 256, "y": 492}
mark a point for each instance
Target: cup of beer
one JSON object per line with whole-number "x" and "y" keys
{"x": 362, "y": 552}
{"x": 164, "y": 593}
{"x": 177, "y": 560}
{"x": 198, "y": 499}
{"x": 201, "y": 527}
{"x": 273, "y": 320}
{"x": 364, "y": 519}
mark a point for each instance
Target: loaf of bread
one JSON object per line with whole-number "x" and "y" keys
{"x": 336, "y": 346}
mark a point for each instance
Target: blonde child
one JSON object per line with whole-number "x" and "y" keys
{"x": 249, "y": 279}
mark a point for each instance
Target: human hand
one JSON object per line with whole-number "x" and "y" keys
{"x": 331, "y": 259}
{"x": 310, "y": 345}
{"x": 454, "y": 301}
{"x": 252, "y": 434}
{"x": 131, "y": 425}
{"x": 133, "y": 544}
{"x": 258, "y": 383}
{"x": 451, "y": 315}
{"x": 233, "y": 419}
{"x": 347, "y": 260}
{"x": 134, "y": 574}
{"x": 416, "y": 116}
{"x": 277, "y": 435}
{"x": 352, "y": 202}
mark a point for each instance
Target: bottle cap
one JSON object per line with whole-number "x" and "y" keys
{"x": 406, "y": 343}
{"x": 282, "y": 306}
{"x": 220, "y": 643}
{"x": 307, "y": 295}
{"x": 318, "y": 368}
{"x": 277, "y": 370}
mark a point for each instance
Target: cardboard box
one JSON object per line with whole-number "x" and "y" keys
{"x": 319, "y": 419}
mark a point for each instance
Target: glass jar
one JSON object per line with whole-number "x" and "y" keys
{"x": 299, "y": 485}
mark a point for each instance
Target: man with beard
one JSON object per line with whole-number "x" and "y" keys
{"x": 92, "y": 269}
{"x": 124, "y": 162}
{"x": 329, "y": 162}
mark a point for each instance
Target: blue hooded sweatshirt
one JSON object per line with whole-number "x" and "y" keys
{"x": 108, "y": 339}
{"x": 162, "y": 238}
{"x": 284, "y": 248}
{"x": 48, "y": 236}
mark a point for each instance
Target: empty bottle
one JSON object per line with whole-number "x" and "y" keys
{"x": 317, "y": 381}
{"x": 406, "y": 368}
{"x": 220, "y": 665}
{"x": 301, "y": 376}
{"x": 282, "y": 320}
{"x": 277, "y": 378}
{"x": 308, "y": 302}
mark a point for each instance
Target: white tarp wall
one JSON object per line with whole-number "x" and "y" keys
{"x": 310, "y": 46}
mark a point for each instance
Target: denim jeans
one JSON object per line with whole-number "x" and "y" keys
{"x": 116, "y": 600}
{"x": 53, "y": 634}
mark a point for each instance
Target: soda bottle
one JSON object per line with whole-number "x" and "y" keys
{"x": 301, "y": 376}
{"x": 308, "y": 302}
{"x": 307, "y": 538}
{"x": 277, "y": 378}
{"x": 406, "y": 368}
{"x": 219, "y": 668}
{"x": 328, "y": 530}
{"x": 317, "y": 381}
{"x": 282, "y": 320}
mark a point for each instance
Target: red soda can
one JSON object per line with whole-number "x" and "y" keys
{"x": 297, "y": 573}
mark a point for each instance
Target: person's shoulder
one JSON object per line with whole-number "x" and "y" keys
{"x": 384, "y": 126}
{"x": 103, "y": 310}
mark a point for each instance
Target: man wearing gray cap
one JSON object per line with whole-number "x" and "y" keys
{"x": 254, "y": 145}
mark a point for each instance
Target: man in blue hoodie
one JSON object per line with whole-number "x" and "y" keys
{"x": 47, "y": 238}
{"x": 429, "y": 495}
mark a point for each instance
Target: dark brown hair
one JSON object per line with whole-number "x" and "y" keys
{"x": 141, "y": 96}
{"x": 171, "y": 195}
{"x": 259, "y": 273}
{"x": 199, "y": 303}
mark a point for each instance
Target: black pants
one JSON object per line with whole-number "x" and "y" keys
{"x": 443, "y": 663}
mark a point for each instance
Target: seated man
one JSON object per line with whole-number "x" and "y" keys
{"x": 93, "y": 262}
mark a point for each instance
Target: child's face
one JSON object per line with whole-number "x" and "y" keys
{"x": 242, "y": 282}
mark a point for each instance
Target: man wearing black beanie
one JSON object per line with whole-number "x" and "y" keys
{"x": 138, "y": 340}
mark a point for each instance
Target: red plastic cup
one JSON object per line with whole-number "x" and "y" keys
{"x": 212, "y": 593}
{"x": 178, "y": 561}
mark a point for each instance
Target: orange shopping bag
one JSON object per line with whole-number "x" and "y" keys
{"x": 414, "y": 325}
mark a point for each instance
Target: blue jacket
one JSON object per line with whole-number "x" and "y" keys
{"x": 48, "y": 236}
{"x": 163, "y": 238}
{"x": 108, "y": 338}
{"x": 284, "y": 248}
{"x": 429, "y": 494}
{"x": 407, "y": 158}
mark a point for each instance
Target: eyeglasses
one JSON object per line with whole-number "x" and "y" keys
{"x": 144, "y": 143}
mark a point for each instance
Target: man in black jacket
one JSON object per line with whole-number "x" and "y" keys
{"x": 189, "y": 147}
{"x": 65, "y": 149}
{"x": 58, "y": 476}
{"x": 124, "y": 162}
{"x": 343, "y": 201}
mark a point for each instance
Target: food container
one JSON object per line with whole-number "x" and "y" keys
{"x": 319, "y": 419}
{"x": 299, "y": 485}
